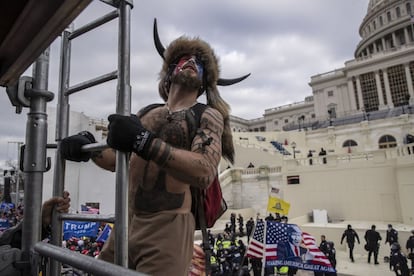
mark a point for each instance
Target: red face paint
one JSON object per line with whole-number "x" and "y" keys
{"x": 189, "y": 58}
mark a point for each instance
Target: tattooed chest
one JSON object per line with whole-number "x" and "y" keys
{"x": 171, "y": 128}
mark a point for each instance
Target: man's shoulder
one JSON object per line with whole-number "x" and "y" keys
{"x": 212, "y": 112}
{"x": 148, "y": 108}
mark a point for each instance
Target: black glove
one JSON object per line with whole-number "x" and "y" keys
{"x": 126, "y": 133}
{"x": 71, "y": 146}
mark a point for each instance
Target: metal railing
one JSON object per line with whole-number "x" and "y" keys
{"x": 35, "y": 165}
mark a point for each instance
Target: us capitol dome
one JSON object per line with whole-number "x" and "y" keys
{"x": 376, "y": 84}
{"x": 386, "y": 26}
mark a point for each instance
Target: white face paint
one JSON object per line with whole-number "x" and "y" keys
{"x": 189, "y": 62}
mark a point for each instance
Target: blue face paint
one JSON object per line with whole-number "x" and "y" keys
{"x": 200, "y": 70}
{"x": 190, "y": 58}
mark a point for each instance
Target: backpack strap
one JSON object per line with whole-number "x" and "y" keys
{"x": 193, "y": 117}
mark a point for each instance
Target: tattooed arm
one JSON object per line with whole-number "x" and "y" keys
{"x": 197, "y": 167}
{"x": 105, "y": 159}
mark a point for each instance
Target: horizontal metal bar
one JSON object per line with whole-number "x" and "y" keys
{"x": 95, "y": 147}
{"x": 94, "y": 24}
{"x": 88, "y": 217}
{"x": 83, "y": 262}
{"x": 101, "y": 79}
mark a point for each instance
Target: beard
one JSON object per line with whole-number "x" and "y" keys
{"x": 186, "y": 80}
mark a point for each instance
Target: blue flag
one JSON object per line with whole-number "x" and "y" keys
{"x": 79, "y": 229}
{"x": 104, "y": 234}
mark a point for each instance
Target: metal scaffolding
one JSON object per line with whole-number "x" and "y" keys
{"x": 34, "y": 164}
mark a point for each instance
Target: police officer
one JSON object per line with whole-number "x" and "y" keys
{"x": 350, "y": 235}
{"x": 372, "y": 238}
{"x": 410, "y": 248}
{"x": 398, "y": 262}
{"x": 392, "y": 235}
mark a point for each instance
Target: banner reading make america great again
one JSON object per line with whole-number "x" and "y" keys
{"x": 282, "y": 244}
{"x": 79, "y": 229}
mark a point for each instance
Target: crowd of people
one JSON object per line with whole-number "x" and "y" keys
{"x": 228, "y": 248}
{"x": 10, "y": 215}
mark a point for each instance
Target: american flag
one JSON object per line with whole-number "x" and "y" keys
{"x": 257, "y": 245}
{"x": 314, "y": 251}
{"x": 279, "y": 233}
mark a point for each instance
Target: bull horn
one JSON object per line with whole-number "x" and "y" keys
{"x": 157, "y": 41}
{"x": 225, "y": 82}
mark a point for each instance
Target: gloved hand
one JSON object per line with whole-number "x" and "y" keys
{"x": 126, "y": 133}
{"x": 71, "y": 146}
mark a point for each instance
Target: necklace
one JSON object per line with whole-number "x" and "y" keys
{"x": 171, "y": 113}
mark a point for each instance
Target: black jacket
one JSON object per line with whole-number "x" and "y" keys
{"x": 350, "y": 235}
{"x": 372, "y": 238}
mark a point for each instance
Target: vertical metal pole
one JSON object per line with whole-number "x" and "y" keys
{"x": 35, "y": 158}
{"x": 62, "y": 128}
{"x": 123, "y": 106}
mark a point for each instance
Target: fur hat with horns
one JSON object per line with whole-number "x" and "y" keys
{"x": 182, "y": 46}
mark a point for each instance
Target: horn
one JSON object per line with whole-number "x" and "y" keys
{"x": 225, "y": 82}
{"x": 157, "y": 41}
{"x": 161, "y": 50}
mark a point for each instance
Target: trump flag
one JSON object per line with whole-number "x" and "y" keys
{"x": 277, "y": 205}
{"x": 282, "y": 244}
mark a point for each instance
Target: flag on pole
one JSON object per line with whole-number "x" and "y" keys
{"x": 282, "y": 244}
{"x": 104, "y": 235}
{"x": 257, "y": 244}
{"x": 277, "y": 205}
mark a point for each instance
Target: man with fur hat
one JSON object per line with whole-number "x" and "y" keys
{"x": 168, "y": 157}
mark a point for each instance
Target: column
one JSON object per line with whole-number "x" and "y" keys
{"x": 384, "y": 45}
{"x": 379, "y": 90}
{"x": 395, "y": 40}
{"x": 359, "y": 91}
{"x": 406, "y": 36}
{"x": 409, "y": 82}
{"x": 387, "y": 89}
{"x": 351, "y": 93}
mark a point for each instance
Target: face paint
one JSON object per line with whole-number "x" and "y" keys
{"x": 190, "y": 58}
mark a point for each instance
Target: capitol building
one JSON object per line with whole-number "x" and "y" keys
{"x": 362, "y": 116}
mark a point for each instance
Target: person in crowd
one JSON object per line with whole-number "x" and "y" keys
{"x": 350, "y": 236}
{"x": 310, "y": 155}
{"x": 284, "y": 219}
{"x": 249, "y": 228}
{"x": 168, "y": 157}
{"x": 270, "y": 217}
{"x": 240, "y": 220}
{"x": 398, "y": 261}
{"x": 372, "y": 237}
{"x": 233, "y": 223}
{"x": 323, "y": 154}
{"x": 211, "y": 238}
{"x": 392, "y": 235}
{"x": 409, "y": 245}
{"x": 256, "y": 264}
{"x": 13, "y": 235}
{"x": 327, "y": 248}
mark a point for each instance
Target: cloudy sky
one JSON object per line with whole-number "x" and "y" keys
{"x": 282, "y": 43}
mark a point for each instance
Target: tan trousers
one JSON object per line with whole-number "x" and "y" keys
{"x": 159, "y": 244}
